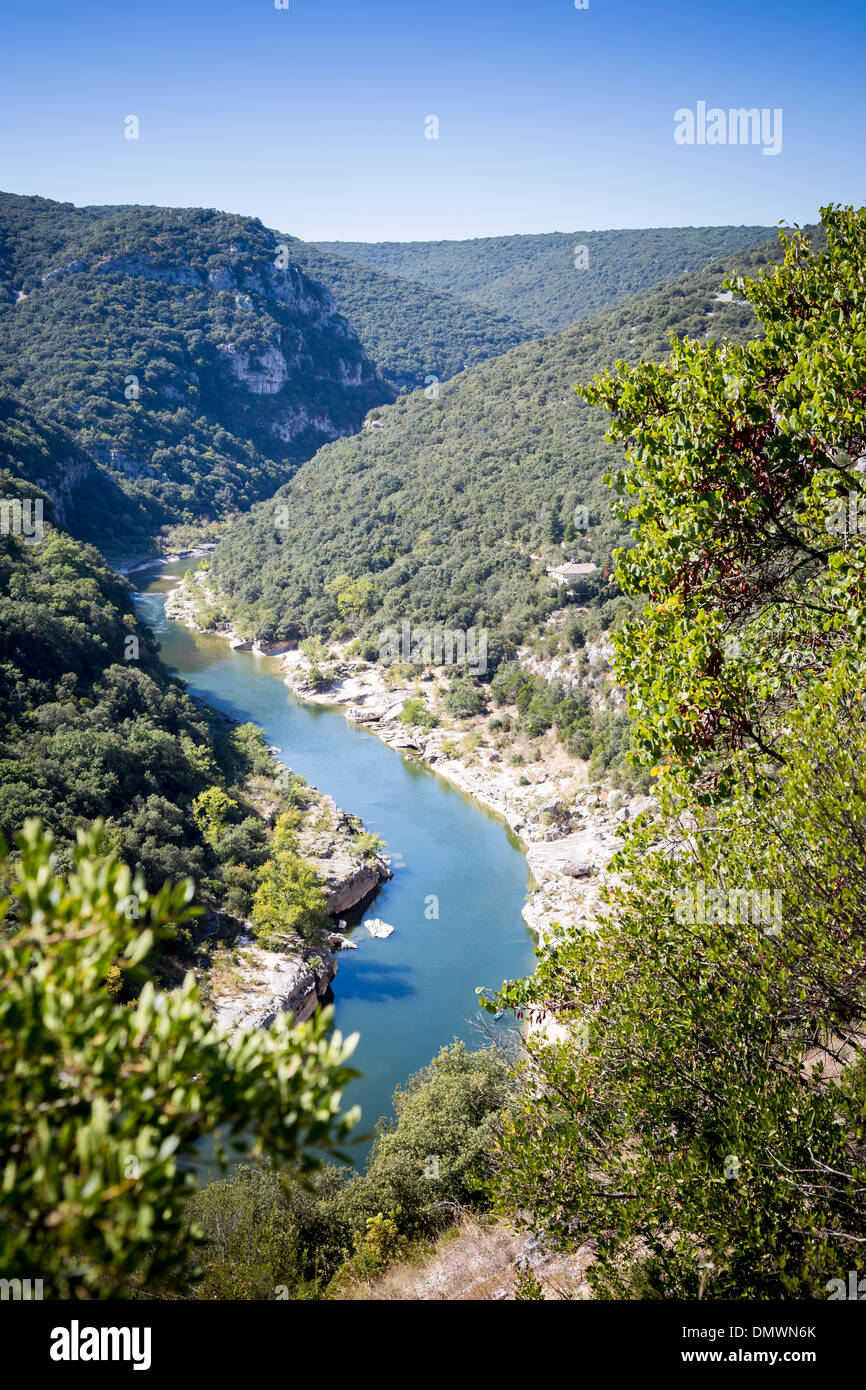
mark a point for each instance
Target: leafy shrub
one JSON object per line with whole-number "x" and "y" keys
{"x": 102, "y": 1105}
{"x": 418, "y": 712}
{"x": 462, "y": 700}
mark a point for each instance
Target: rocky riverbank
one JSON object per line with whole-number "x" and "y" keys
{"x": 569, "y": 827}
{"x": 249, "y": 985}
{"x": 257, "y": 985}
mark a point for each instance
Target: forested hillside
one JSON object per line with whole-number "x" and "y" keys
{"x": 186, "y": 360}
{"x": 91, "y": 724}
{"x": 443, "y": 512}
{"x": 702, "y": 1125}
{"x": 195, "y": 358}
{"x": 412, "y": 331}
{"x": 540, "y": 280}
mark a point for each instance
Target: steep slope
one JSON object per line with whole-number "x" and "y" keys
{"x": 91, "y": 724}
{"x": 444, "y": 509}
{"x": 82, "y": 495}
{"x": 539, "y": 280}
{"x": 180, "y": 352}
{"x": 413, "y": 332}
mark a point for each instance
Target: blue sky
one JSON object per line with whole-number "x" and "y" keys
{"x": 550, "y": 118}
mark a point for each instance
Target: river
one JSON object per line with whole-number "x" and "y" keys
{"x": 409, "y": 994}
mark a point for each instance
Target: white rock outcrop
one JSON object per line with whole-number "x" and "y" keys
{"x": 273, "y": 984}
{"x": 376, "y": 927}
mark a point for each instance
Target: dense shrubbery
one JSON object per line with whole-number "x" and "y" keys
{"x": 704, "y": 1123}
{"x": 534, "y": 278}
{"x": 265, "y": 1233}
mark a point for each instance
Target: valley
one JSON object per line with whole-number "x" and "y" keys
{"x": 405, "y": 629}
{"x": 415, "y": 992}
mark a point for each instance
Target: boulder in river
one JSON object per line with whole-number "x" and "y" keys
{"x": 376, "y": 927}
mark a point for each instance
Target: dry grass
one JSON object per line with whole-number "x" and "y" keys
{"x": 477, "y": 1259}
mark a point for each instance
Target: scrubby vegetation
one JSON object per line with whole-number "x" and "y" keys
{"x": 702, "y": 1123}
{"x": 536, "y": 279}
{"x": 266, "y": 1237}
{"x": 599, "y": 737}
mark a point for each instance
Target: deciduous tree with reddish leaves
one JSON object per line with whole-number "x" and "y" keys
{"x": 738, "y": 461}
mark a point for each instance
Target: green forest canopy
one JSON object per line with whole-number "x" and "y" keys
{"x": 443, "y": 508}
{"x": 539, "y": 280}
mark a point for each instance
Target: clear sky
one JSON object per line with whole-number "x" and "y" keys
{"x": 550, "y": 118}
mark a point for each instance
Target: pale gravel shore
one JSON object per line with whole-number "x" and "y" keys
{"x": 560, "y": 897}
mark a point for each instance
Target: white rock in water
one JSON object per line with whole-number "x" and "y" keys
{"x": 376, "y": 927}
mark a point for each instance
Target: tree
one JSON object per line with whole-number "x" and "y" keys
{"x": 703, "y": 1121}
{"x": 250, "y": 1246}
{"x": 289, "y": 900}
{"x": 211, "y": 809}
{"x": 354, "y": 596}
{"x": 462, "y": 700}
{"x": 102, "y": 1105}
{"x": 435, "y": 1154}
{"x": 702, "y": 1117}
{"x": 739, "y": 460}
{"x": 426, "y": 1165}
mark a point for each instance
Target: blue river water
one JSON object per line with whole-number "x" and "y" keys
{"x": 408, "y": 994}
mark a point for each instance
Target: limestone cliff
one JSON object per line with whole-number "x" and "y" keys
{"x": 272, "y": 983}
{"x": 205, "y": 365}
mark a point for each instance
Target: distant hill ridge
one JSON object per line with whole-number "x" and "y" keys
{"x": 415, "y": 333}
{"x": 454, "y": 508}
{"x": 193, "y": 370}
{"x": 545, "y": 280}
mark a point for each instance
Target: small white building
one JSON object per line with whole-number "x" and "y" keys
{"x": 570, "y": 570}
